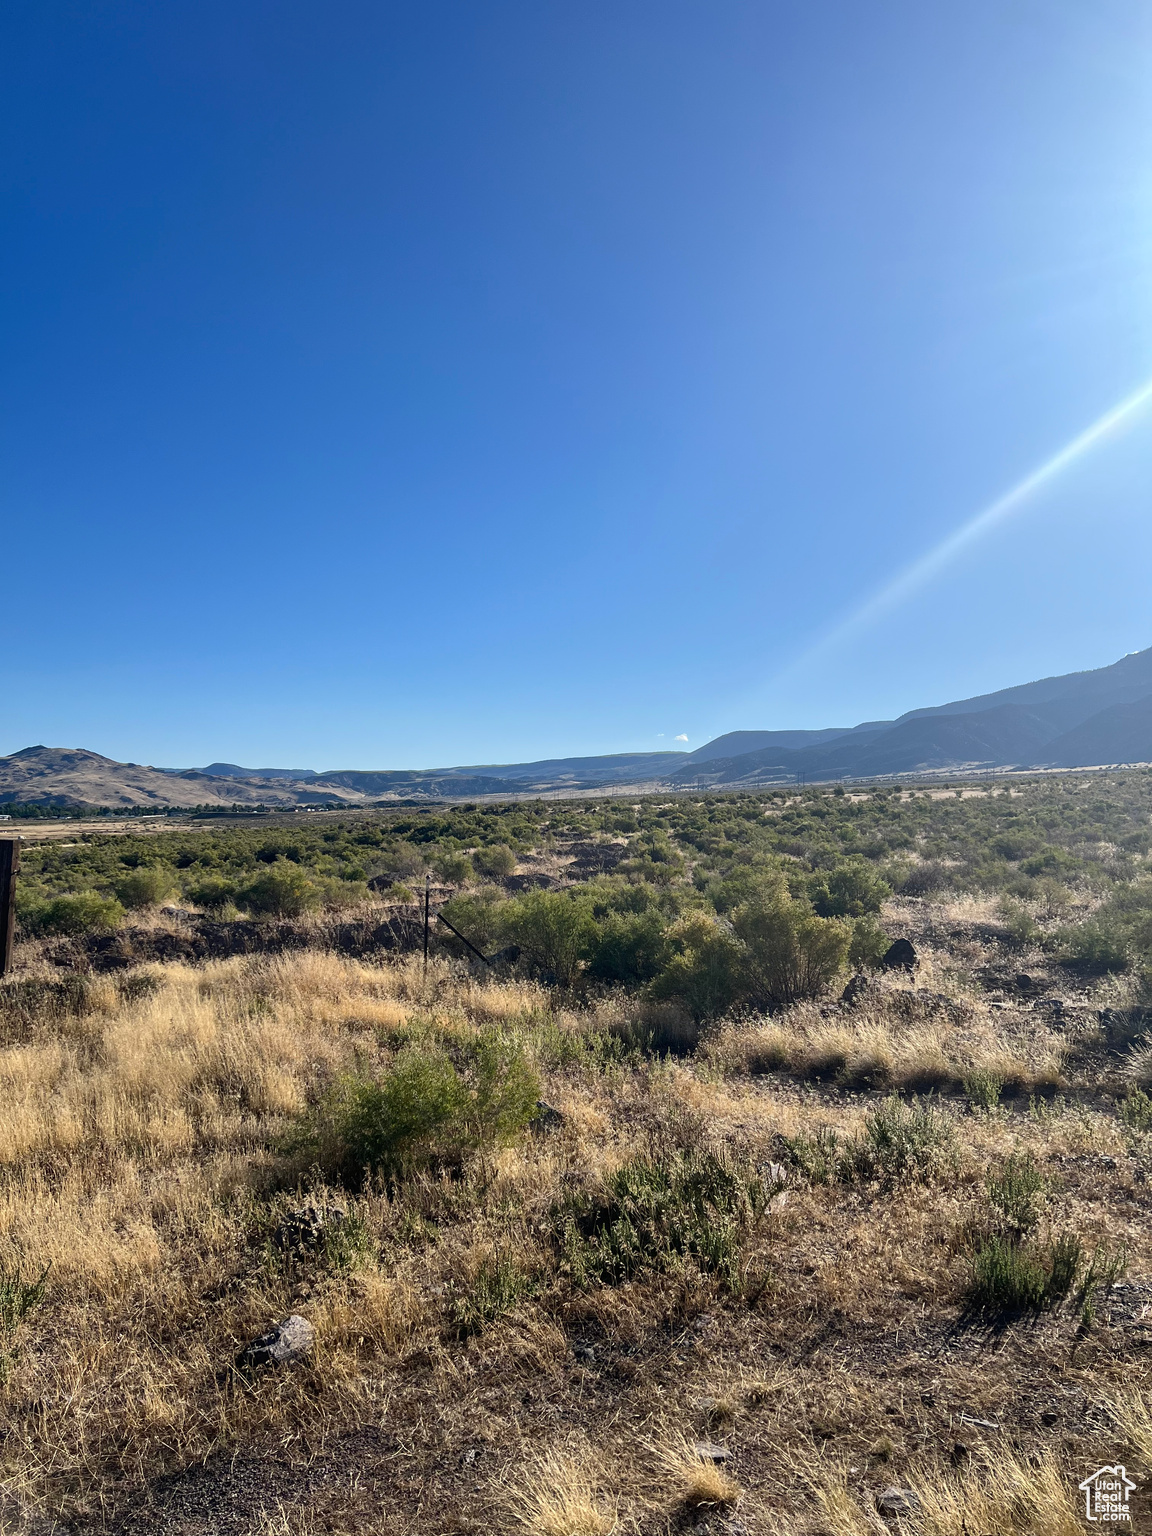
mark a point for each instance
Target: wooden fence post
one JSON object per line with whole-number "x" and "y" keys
{"x": 9, "y": 865}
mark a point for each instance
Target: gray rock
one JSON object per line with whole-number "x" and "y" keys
{"x": 546, "y": 1119}
{"x": 897, "y": 1501}
{"x": 289, "y": 1341}
{"x": 708, "y": 1450}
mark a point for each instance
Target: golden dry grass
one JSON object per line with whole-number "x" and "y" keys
{"x": 1003, "y": 1494}
{"x": 141, "y": 1166}
{"x": 694, "y": 1479}
{"x": 558, "y": 1497}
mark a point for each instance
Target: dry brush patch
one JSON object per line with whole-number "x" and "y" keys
{"x": 545, "y": 1330}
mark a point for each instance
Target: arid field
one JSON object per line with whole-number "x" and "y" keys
{"x": 579, "y": 1258}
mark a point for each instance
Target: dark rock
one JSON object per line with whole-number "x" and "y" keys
{"x": 897, "y": 1501}
{"x": 859, "y": 990}
{"x": 304, "y": 1229}
{"x": 546, "y": 1119}
{"x": 531, "y": 882}
{"x": 899, "y": 956}
{"x": 289, "y": 1341}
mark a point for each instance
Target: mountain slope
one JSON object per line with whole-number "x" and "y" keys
{"x": 1079, "y": 694}
{"x": 74, "y": 777}
{"x": 495, "y": 778}
{"x": 1084, "y": 718}
{"x": 738, "y": 743}
{"x": 1121, "y": 734}
{"x": 234, "y": 771}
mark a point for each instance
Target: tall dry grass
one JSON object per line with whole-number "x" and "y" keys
{"x": 137, "y": 1157}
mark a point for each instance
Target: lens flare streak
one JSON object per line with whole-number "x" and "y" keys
{"x": 937, "y": 559}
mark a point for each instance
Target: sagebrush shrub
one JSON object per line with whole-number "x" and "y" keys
{"x": 658, "y": 1213}
{"x": 1015, "y": 1191}
{"x": 1136, "y": 1110}
{"x": 983, "y": 1085}
{"x": 86, "y": 912}
{"x": 424, "y": 1110}
{"x": 281, "y": 890}
{"x": 789, "y": 952}
{"x": 146, "y": 886}
{"x": 900, "y": 1141}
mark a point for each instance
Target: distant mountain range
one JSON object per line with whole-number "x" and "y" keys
{"x": 1082, "y": 719}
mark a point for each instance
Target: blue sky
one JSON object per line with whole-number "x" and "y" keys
{"x": 398, "y": 385}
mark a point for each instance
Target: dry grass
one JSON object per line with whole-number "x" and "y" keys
{"x": 1133, "y": 1413}
{"x": 1003, "y": 1494}
{"x": 558, "y": 1498}
{"x": 693, "y": 1479}
{"x": 142, "y": 1167}
{"x": 899, "y": 1038}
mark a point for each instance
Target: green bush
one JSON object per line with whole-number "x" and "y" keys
{"x": 19, "y": 1295}
{"x": 281, "y": 890}
{"x": 1136, "y": 1111}
{"x": 498, "y": 1285}
{"x": 453, "y": 867}
{"x": 424, "y": 1110}
{"x": 630, "y": 946}
{"x": 501, "y": 1092}
{"x": 983, "y": 1087}
{"x": 789, "y": 952}
{"x": 1016, "y": 1191}
{"x": 815, "y": 1153}
{"x": 869, "y": 944}
{"x": 850, "y": 890}
{"x": 479, "y": 917}
{"x": 900, "y": 1141}
{"x": 336, "y": 894}
{"x": 660, "y": 1213}
{"x": 495, "y": 862}
{"x": 86, "y": 912}
{"x": 1021, "y": 928}
{"x": 146, "y": 886}
{"x": 1096, "y": 946}
{"x": 704, "y": 972}
{"x": 1013, "y": 1276}
{"x": 1007, "y": 1277}
{"x": 554, "y": 931}
{"x": 213, "y": 893}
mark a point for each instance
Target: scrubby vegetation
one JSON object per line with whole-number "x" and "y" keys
{"x": 682, "y": 1213}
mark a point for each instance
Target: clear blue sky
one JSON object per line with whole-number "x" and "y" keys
{"x": 397, "y": 385}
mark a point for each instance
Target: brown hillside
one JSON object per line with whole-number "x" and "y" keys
{"x": 69, "y": 776}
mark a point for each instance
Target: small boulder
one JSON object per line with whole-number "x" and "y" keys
{"x": 708, "y": 1450}
{"x": 289, "y": 1341}
{"x": 546, "y": 1120}
{"x": 897, "y": 1501}
{"x": 899, "y": 956}
{"x": 303, "y": 1229}
{"x": 858, "y": 990}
